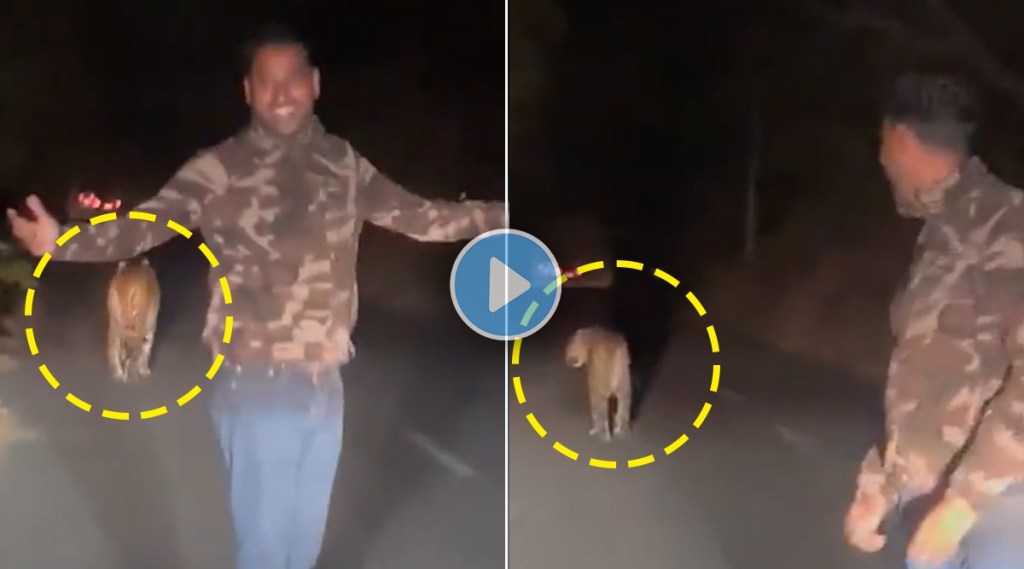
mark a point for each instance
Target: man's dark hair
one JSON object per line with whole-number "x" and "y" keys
{"x": 941, "y": 110}
{"x": 271, "y": 34}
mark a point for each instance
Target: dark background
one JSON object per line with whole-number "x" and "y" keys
{"x": 651, "y": 110}
{"x": 122, "y": 93}
{"x": 652, "y": 114}
{"x": 643, "y": 113}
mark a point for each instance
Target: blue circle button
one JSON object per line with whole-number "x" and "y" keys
{"x": 505, "y": 284}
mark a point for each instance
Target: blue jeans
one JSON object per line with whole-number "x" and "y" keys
{"x": 281, "y": 436}
{"x": 996, "y": 541}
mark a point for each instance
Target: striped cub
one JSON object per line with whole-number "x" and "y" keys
{"x": 604, "y": 354}
{"x": 133, "y": 303}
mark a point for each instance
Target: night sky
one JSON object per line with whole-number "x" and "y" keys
{"x": 649, "y": 112}
{"x": 121, "y": 93}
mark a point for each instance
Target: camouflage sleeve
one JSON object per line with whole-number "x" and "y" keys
{"x": 179, "y": 201}
{"x": 994, "y": 458}
{"x": 386, "y": 204}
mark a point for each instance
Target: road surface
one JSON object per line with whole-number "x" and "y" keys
{"x": 762, "y": 484}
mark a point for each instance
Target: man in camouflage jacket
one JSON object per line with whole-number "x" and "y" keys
{"x": 955, "y": 394}
{"x": 281, "y": 205}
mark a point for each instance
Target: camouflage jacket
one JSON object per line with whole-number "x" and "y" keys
{"x": 955, "y": 394}
{"x": 283, "y": 217}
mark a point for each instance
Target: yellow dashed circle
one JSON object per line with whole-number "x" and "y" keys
{"x": 108, "y": 413}
{"x": 674, "y": 445}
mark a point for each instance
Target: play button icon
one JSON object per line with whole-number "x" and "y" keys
{"x": 503, "y": 278}
{"x": 504, "y": 284}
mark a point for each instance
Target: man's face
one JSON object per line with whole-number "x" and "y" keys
{"x": 897, "y": 155}
{"x": 281, "y": 88}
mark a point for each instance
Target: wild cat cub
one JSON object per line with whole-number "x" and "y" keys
{"x": 605, "y": 355}
{"x": 133, "y": 303}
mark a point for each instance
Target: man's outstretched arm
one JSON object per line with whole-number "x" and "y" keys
{"x": 180, "y": 201}
{"x": 386, "y": 204}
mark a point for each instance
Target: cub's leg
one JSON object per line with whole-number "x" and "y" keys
{"x": 145, "y": 346}
{"x": 115, "y": 353}
{"x": 145, "y": 351}
{"x": 599, "y": 414}
{"x": 134, "y": 364}
{"x": 131, "y": 363}
{"x": 623, "y": 401}
{"x": 152, "y": 317}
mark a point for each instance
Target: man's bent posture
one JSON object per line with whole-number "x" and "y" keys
{"x": 955, "y": 394}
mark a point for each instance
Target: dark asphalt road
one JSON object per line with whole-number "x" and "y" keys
{"x": 761, "y": 485}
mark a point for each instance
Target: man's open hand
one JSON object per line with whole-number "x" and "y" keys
{"x": 495, "y": 216}
{"x": 938, "y": 537}
{"x": 863, "y": 520}
{"x": 39, "y": 235}
{"x": 500, "y": 217}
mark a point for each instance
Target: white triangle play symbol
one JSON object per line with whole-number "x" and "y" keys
{"x": 517, "y": 285}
